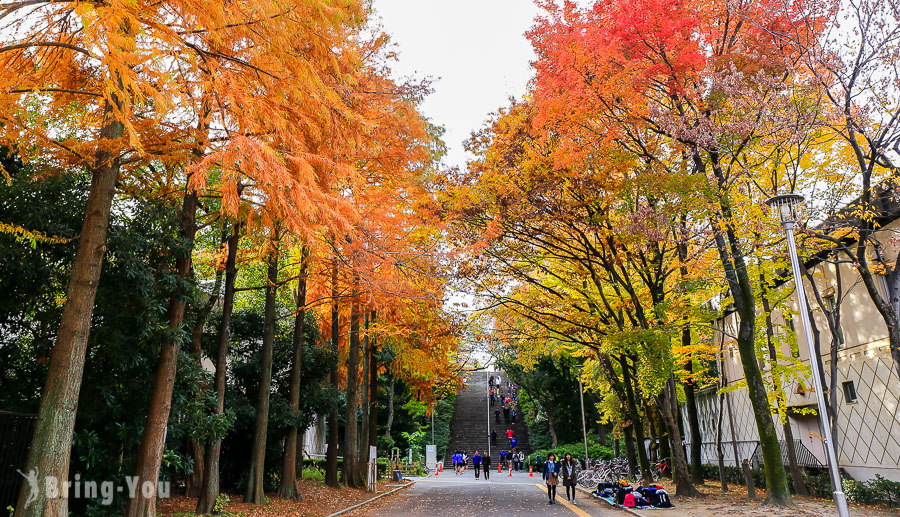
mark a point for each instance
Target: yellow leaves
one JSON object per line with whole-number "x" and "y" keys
{"x": 34, "y": 237}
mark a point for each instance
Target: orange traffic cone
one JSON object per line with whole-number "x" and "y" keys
{"x": 510, "y": 472}
{"x": 437, "y": 472}
{"x": 530, "y": 472}
{"x": 442, "y": 466}
{"x": 499, "y": 468}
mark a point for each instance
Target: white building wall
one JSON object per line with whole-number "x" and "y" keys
{"x": 868, "y": 429}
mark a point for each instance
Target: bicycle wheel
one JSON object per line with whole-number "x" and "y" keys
{"x": 583, "y": 478}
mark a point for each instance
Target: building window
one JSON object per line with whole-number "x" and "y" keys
{"x": 849, "y": 391}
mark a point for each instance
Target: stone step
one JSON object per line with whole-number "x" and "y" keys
{"x": 469, "y": 425}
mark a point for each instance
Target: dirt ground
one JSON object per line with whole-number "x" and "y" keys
{"x": 734, "y": 502}
{"x": 318, "y": 500}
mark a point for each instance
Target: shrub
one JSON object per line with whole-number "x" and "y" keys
{"x": 887, "y": 491}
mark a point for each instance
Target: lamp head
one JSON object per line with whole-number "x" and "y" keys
{"x": 786, "y": 207}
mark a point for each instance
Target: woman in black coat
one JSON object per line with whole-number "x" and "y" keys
{"x": 569, "y": 473}
{"x": 551, "y": 476}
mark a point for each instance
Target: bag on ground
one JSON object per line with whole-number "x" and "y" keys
{"x": 663, "y": 499}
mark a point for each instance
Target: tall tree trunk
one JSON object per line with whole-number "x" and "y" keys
{"x": 630, "y": 449}
{"x": 737, "y": 274}
{"x": 833, "y": 318}
{"x": 373, "y": 387}
{"x": 51, "y": 442}
{"x": 690, "y": 398}
{"x": 690, "y": 403}
{"x": 255, "y": 493}
{"x": 210, "y": 488}
{"x": 654, "y": 439}
{"x": 628, "y": 381}
{"x": 352, "y": 472}
{"x": 720, "y": 455}
{"x": 288, "y": 488}
{"x": 153, "y": 440}
{"x": 668, "y": 405}
{"x": 665, "y": 448}
{"x": 738, "y": 278}
{"x": 719, "y": 452}
{"x": 390, "y": 407}
{"x": 796, "y": 474}
{"x": 331, "y": 466}
{"x": 362, "y": 454}
{"x": 551, "y": 423}
{"x": 198, "y": 451}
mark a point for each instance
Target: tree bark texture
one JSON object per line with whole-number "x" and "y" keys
{"x": 210, "y": 487}
{"x": 51, "y": 443}
{"x": 153, "y": 440}
{"x": 668, "y": 405}
{"x": 352, "y": 473}
{"x": 198, "y": 450}
{"x": 737, "y": 275}
{"x": 362, "y": 453}
{"x": 331, "y": 467}
{"x": 254, "y": 492}
{"x": 288, "y": 488}
{"x": 373, "y": 386}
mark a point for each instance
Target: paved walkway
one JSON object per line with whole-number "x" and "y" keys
{"x": 464, "y": 496}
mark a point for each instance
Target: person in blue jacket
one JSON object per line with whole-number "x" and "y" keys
{"x": 551, "y": 476}
{"x": 502, "y": 457}
{"x": 476, "y": 462}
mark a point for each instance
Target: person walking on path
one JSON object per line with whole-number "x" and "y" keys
{"x": 509, "y": 435}
{"x": 476, "y": 462}
{"x": 502, "y": 458}
{"x": 512, "y": 415}
{"x": 567, "y": 469}
{"x": 494, "y": 435}
{"x": 497, "y": 416}
{"x": 551, "y": 476}
{"x": 513, "y": 443}
{"x": 465, "y": 460}
{"x": 486, "y": 463}
{"x": 506, "y": 413}
{"x": 458, "y": 463}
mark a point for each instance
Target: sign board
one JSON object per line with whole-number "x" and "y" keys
{"x": 372, "y": 471}
{"x": 430, "y": 456}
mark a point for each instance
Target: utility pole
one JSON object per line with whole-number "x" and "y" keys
{"x": 786, "y": 206}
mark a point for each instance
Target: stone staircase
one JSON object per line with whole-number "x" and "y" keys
{"x": 469, "y": 429}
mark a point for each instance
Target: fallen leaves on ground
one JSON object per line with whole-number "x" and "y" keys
{"x": 318, "y": 500}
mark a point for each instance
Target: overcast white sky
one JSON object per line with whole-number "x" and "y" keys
{"x": 474, "y": 49}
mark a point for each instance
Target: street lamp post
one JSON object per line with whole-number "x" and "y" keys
{"x": 787, "y": 207}
{"x": 583, "y": 423}
{"x": 488, "y": 395}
